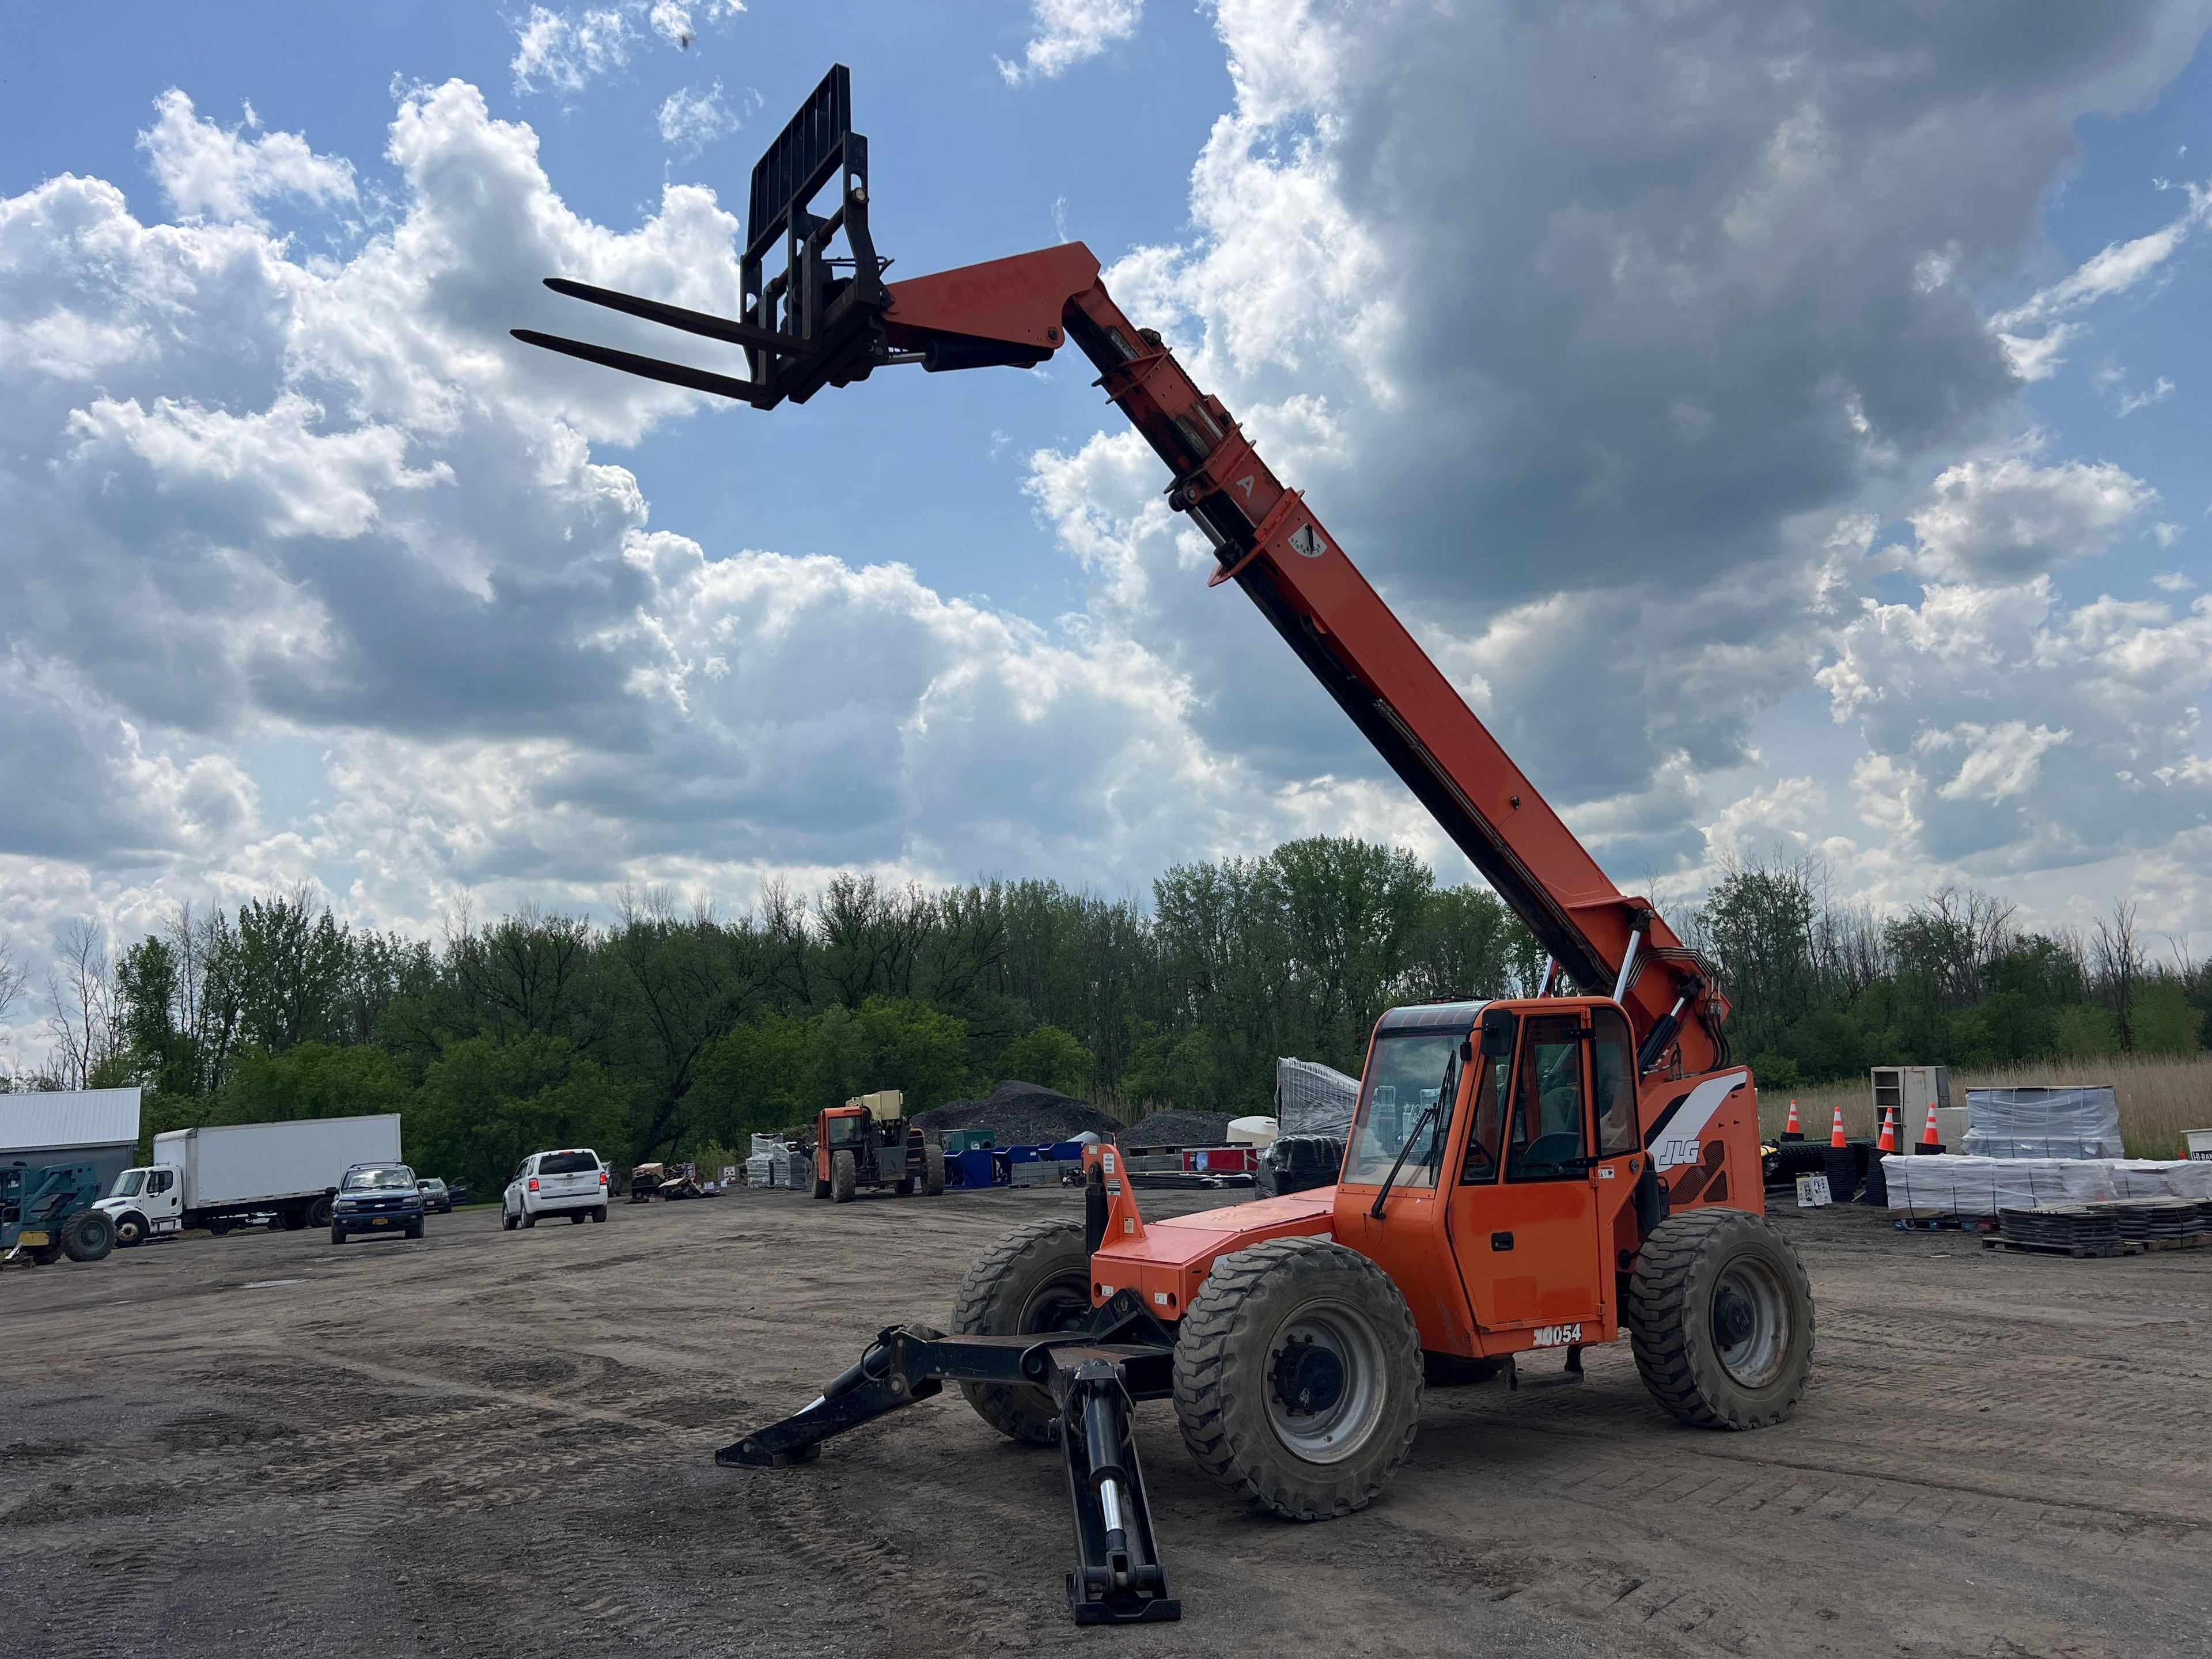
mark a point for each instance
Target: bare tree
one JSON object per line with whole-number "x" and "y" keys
{"x": 2120, "y": 965}
{"x": 12, "y": 982}
{"x": 81, "y": 993}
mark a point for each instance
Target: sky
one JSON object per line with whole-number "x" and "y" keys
{"x": 1785, "y": 422}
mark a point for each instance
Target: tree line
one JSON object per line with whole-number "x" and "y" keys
{"x": 674, "y": 1030}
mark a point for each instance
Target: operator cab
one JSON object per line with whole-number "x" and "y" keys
{"x": 1495, "y": 1152}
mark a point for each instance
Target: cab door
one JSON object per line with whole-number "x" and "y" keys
{"x": 161, "y": 1203}
{"x": 1525, "y": 1213}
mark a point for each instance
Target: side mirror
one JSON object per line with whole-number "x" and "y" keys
{"x": 1497, "y": 1028}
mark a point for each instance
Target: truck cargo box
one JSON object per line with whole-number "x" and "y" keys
{"x": 242, "y": 1163}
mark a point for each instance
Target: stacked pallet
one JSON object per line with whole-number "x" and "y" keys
{"x": 2168, "y": 1219}
{"x": 2074, "y": 1228}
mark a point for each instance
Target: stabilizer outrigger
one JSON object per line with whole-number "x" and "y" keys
{"x": 1095, "y": 1375}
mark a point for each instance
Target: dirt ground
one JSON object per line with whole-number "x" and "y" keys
{"x": 502, "y": 1442}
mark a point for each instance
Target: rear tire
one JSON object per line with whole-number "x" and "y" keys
{"x": 841, "y": 1177}
{"x": 88, "y": 1236}
{"x": 1036, "y": 1280}
{"x": 1297, "y": 1377}
{"x": 218, "y": 1225}
{"x": 529, "y": 1217}
{"x": 291, "y": 1218}
{"x": 44, "y": 1256}
{"x": 821, "y": 1189}
{"x": 1720, "y": 1315}
{"x": 321, "y": 1210}
{"x": 904, "y": 1186}
{"x": 599, "y": 1213}
{"x": 575, "y": 1217}
{"x": 932, "y": 1170}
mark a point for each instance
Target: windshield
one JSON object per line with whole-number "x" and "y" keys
{"x": 380, "y": 1180}
{"x": 568, "y": 1163}
{"x": 848, "y": 1131}
{"x": 1405, "y": 1074}
{"x": 129, "y": 1184}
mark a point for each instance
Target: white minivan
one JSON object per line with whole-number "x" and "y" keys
{"x": 573, "y": 1182}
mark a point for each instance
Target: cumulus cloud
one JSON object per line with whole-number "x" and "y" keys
{"x": 222, "y": 173}
{"x": 1065, "y": 33}
{"x": 2003, "y": 516}
{"x": 1583, "y": 334}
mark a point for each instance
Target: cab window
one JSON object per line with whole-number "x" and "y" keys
{"x": 1401, "y": 1108}
{"x": 159, "y": 1181}
{"x": 1480, "y": 1164}
{"x": 1612, "y": 1083}
{"x": 1546, "y": 1142}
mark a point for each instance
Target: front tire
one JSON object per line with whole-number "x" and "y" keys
{"x": 1720, "y": 1315}
{"x": 88, "y": 1236}
{"x": 337, "y": 1235}
{"x": 1036, "y": 1280}
{"x": 842, "y": 1176}
{"x": 321, "y": 1211}
{"x": 130, "y": 1231}
{"x": 1297, "y": 1377}
{"x": 415, "y": 1231}
{"x": 508, "y": 1221}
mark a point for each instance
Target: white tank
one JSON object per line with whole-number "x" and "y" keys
{"x": 1251, "y": 1131}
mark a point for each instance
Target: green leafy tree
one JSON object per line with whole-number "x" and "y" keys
{"x": 489, "y": 1101}
{"x": 1050, "y": 1056}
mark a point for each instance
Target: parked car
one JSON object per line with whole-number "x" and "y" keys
{"x": 457, "y": 1192}
{"x": 573, "y": 1182}
{"x": 435, "y": 1195}
{"x": 377, "y": 1198}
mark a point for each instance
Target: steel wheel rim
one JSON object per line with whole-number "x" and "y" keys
{"x": 1062, "y": 1304}
{"x": 1338, "y": 1430}
{"x": 1750, "y": 1323}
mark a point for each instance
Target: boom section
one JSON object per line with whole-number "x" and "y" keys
{"x": 1270, "y": 543}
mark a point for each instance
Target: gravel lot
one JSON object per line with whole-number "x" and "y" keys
{"x": 490, "y": 1441}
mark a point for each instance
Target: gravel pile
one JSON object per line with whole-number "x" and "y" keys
{"x": 1021, "y": 1114}
{"x": 1179, "y": 1129}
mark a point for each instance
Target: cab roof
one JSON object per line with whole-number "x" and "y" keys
{"x": 1431, "y": 1017}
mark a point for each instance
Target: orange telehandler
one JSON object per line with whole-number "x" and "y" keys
{"x": 1523, "y": 1175}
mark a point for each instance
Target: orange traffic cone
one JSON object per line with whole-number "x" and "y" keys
{"x": 1836, "y": 1133}
{"x": 1889, "y": 1141}
{"x": 1793, "y": 1130}
{"x": 1927, "y": 1136}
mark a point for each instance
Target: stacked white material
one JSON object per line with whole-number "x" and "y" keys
{"x": 760, "y": 1171}
{"x": 1954, "y": 1185}
{"x": 770, "y": 1144}
{"x": 2073, "y": 1123}
{"x": 1312, "y": 1099}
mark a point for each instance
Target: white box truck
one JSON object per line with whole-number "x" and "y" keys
{"x": 224, "y": 1176}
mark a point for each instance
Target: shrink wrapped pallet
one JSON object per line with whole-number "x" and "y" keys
{"x": 1312, "y": 1099}
{"x": 760, "y": 1171}
{"x": 770, "y": 1144}
{"x": 797, "y": 1172}
{"x": 2074, "y": 1122}
{"x": 1950, "y": 1184}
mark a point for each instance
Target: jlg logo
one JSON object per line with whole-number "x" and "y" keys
{"x": 1558, "y": 1336}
